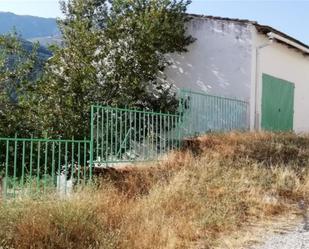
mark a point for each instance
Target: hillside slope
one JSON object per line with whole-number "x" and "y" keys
{"x": 216, "y": 186}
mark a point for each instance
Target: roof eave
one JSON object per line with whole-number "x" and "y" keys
{"x": 283, "y": 38}
{"x": 264, "y": 29}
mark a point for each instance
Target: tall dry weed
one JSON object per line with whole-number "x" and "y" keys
{"x": 216, "y": 185}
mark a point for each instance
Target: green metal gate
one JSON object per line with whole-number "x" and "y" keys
{"x": 204, "y": 113}
{"x": 277, "y": 104}
{"x": 129, "y": 135}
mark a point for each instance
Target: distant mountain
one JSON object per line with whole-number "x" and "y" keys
{"x": 29, "y": 27}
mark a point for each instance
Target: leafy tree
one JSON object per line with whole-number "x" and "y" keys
{"x": 114, "y": 53}
{"x": 19, "y": 69}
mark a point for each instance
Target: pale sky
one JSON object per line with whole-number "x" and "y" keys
{"x": 289, "y": 16}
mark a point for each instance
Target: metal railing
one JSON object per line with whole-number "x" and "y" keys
{"x": 202, "y": 113}
{"x": 34, "y": 166}
{"x": 128, "y": 135}
{"x": 37, "y": 166}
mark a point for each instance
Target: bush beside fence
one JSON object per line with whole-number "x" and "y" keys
{"x": 37, "y": 166}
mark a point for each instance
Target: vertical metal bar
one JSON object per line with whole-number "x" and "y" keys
{"x": 172, "y": 131}
{"x": 220, "y": 100}
{"x": 212, "y": 111}
{"x": 157, "y": 135}
{"x": 107, "y": 132}
{"x": 164, "y": 134}
{"x": 72, "y": 157}
{"x": 216, "y": 112}
{"x": 206, "y": 113}
{"x": 227, "y": 124}
{"x": 221, "y": 114}
{"x": 116, "y": 133}
{"x": 30, "y": 166}
{"x": 85, "y": 159}
{"x": 38, "y": 168}
{"x": 65, "y": 166}
{"x": 202, "y": 109}
{"x": 134, "y": 132}
{"x": 78, "y": 161}
{"x": 160, "y": 132}
{"x": 222, "y": 118}
{"x": 239, "y": 126}
{"x": 179, "y": 131}
{"x": 130, "y": 137}
{"x": 152, "y": 135}
{"x": 197, "y": 129}
{"x": 179, "y": 127}
{"x": 168, "y": 132}
{"x": 193, "y": 99}
{"x": 232, "y": 115}
{"x": 23, "y": 166}
{"x": 45, "y": 166}
{"x": 126, "y": 130}
{"x": 102, "y": 135}
{"x": 91, "y": 143}
{"x": 226, "y": 114}
{"x": 15, "y": 165}
{"x": 112, "y": 133}
{"x": 235, "y": 116}
{"x": 53, "y": 163}
{"x": 120, "y": 136}
{"x": 6, "y": 169}
{"x": 243, "y": 125}
{"x": 210, "y": 118}
{"x": 97, "y": 133}
{"x": 59, "y": 161}
{"x": 140, "y": 139}
{"x": 143, "y": 135}
{"x": 235, "y": 113}
{"x": 148, "y": 135}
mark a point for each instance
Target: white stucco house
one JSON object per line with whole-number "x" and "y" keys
{"x": 249, "y": 61}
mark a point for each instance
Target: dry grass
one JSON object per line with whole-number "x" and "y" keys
{"x": 217, "y": 185}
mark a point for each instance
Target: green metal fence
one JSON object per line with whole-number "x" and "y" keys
{"x": 126, "y": 135}
{"x": 202, "y": 113}
{"x": 37, "y": 166}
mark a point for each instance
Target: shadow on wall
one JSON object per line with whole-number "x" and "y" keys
{"x": 218, "y": 62}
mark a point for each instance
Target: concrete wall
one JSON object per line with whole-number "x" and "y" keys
{"x": 289, "y": 64}
{"x": 219, "y": 62}
{"x": 224, "y": 61}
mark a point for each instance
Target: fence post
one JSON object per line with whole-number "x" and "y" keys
{"x": 91, "y": 142}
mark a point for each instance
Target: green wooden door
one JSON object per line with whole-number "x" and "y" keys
{"x": 277, "y": 104}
